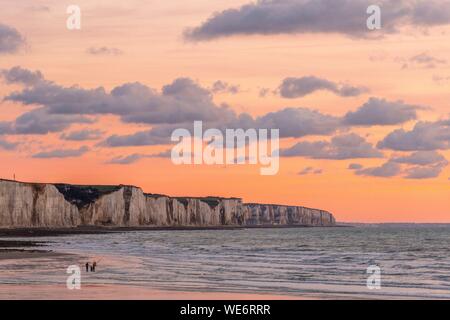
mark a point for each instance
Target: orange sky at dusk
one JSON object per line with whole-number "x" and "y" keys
{"x": 153, "y": 52}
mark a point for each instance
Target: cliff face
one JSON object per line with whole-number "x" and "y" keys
{"x": 48, "y": 205}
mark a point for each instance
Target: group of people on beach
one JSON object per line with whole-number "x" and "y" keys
{"x": 91, "y": 267}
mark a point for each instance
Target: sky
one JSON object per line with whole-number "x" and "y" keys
{"x": 364, "y": 115}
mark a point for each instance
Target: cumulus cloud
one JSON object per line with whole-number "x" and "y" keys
{"x": 417, "y": 165}
{"x": 348, "y": 146}
{"x": 163, "y": 154}
{"x": 424, "y": 164}
{"x": 382, "y": 112}
{"x": 129, "y": 159}
{"x": 292, "y": 122}
{"x": 421, "y": 60}
{"x": 441, "y": 80}
{"x": 82, "y": 135}
{"x": 424, "y": 136}
{"x": 41, "y": 121}
{"x": 5, "y": 127}
{"x": 179, "y": 103}
{"x": 132, "y": 158}
{"x": 427, "y": 60}
{"x": 20, "y": 75}
{"x": 62, "y": 153}
{"x": 310, "y": 170}
{"x": 292, "y": 87}
{"x": 425, "y": 172}
{"x": 263, "y": 92}
{"x": 387, "y": 170}
{"x": 299, "y": 122}
{"x": 224, "y": 87}
{"x": 10, "y": 39}
{"x": 156, "y": 136}
{"x": 6, "y": 145}
{"x": 355, "y": 166}
{"x": 266, "y": 17}
{"x": 104, "y": 51}
{"x": 182, "y": 100}
{"x": 421, "y": 158}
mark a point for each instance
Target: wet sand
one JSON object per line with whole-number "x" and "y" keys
{"x": 16, "y": 249}
{"x": 121, "y": 292}
{"x": 27, "y": 254}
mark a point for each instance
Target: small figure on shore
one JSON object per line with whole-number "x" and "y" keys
{"x": 87, "y": 266}
{"x": 94, "y": 264}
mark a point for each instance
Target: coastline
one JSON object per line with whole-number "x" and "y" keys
{"x": 46, "y": 232}
{"x": 46, "y": 205}
{"x": 18, "y": 249}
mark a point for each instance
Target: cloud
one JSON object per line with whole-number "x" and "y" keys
{"x": 182, "y": 100}
{"x": 426, "y": 164}
{"x": 355, "y": 166}
{"x": 10, "y": 39}
{"x": 424, "y": 136}
{"x": 431, "y": 12}
{"x": 82, "y": 135}
{"x": 155, "y": 136}
{"x": 39, "y": 8}
{"x": 263, "y": 92}
{"x": 224, "y": 87}
{"x": 22, "y": 76}
{"x": 292, "y": 122}
{"x": 266, "y": 17}
{"x": 292, "y": 88}
{"x": 62, "y": 153}
{"x": 421, "y": 158}
{"x": 41, "y": 121}
{"x": 349, "y": 146}
{"x": 163, "y": 154}
{"x": 421, "y": 60}
{"x": 310, "y": 170}
{"x": 96, "y": 51}
{"x": 441, "y": 79}
{"x": 6, "y": 145}
{"x": 132, "y": 158}
{"x": 5, "y": 127}
{"x": 381, "y": 112}
{"x": 176, "y": 105}
{"x": 387, "y": 170}
{"x": 299, "y": 122}
{"x": 426, "y": 172}
{"x": 427, "y": 60}
{"x": 419, "y": 165}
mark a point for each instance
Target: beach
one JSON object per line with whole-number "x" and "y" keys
{"x": 283, "y": 263}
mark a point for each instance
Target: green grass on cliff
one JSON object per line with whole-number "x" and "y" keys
{"x": 84, "y": 195}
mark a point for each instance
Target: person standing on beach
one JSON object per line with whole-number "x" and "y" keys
{"x": 87, "y": 266}
{"x": 94, "y": 264}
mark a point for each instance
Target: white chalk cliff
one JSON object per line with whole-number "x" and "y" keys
{"x": 62, "y": 205}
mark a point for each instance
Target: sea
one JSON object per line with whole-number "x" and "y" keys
{"x": 354, "y": 262}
